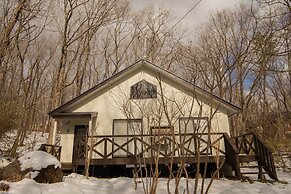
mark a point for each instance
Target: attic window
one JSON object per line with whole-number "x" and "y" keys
{"x": 142, "y": 90}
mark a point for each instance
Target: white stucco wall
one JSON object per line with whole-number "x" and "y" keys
{"x": 113, "y": 102}
{"x": 67, "y": 127}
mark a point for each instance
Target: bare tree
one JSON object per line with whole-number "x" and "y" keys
{"x": 76, "y": 34}
{"x": 169, "y": 136}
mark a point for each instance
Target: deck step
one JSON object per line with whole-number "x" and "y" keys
{"x": 254, "y": 173}
{"x": 246, "y": 158}
{"x": 67, "y": 171}
{"x": 250, "y": 166}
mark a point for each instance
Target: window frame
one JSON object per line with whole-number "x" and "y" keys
{"x": 192, "y": 119}
{"x": 138, "y": 120}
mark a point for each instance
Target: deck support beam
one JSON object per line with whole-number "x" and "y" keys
{"x": 55, "y": 123}
{"x": 91, "y": 131}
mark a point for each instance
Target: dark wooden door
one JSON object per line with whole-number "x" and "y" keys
{"x": 80, "y": 142}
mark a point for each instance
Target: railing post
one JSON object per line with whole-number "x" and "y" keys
{"x": 52, "y": 150}
{"x": 105, "y": 149}
{"x": 264, "y": 156}
{"x": 231, "y": 154}
{"x": 55, "y": 126}
{"x": 135, "y": 146}
{"x": 59, "y": 153}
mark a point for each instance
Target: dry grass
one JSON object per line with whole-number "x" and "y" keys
{"x": 4, "y": 187}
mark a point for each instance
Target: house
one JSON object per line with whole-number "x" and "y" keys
{"x": 143, "y": 113}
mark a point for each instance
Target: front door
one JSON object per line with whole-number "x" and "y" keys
{"x": 80, "y": 142}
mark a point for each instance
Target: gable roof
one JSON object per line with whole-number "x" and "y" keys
{"x": 231, "y": 108}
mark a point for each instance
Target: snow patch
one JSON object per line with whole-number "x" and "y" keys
{"x": 32, "y": 141}
{"x": 32, "y": 174}
{"x": 3, "y": 161}
{"x": 75, "y": 184}
{"x": 37, "y": 160}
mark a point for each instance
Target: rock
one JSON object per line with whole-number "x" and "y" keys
{"x": 14, "y": 172}
{"x": 49, "y": 175}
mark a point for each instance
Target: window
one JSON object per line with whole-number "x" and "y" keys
{"x": 194, "y": 134}
{"x": 125, "y": 129}
{"x": 142, "y": 90}
{"x": 195, "y": 125}
{"x": 161, "y": 140}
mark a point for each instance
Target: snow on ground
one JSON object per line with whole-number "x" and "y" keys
{"x": 32, "y": 141}
{"x": 37, "y": 160}
{"x": 3, "y": 161}
{"x": 75, "y": 184}
{"x": 283, "y": 162}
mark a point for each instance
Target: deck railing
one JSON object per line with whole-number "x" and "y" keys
{"x": 162, "y": 145}
{"x": 54, "y": 150}
{"x": 252, "y": 144}
{"x": 232, "y": 155}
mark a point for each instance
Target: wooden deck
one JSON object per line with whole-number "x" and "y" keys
{"x": 178, "y": 148}
{"x": 120, "y": 149}
{"x": 145, "y": 161}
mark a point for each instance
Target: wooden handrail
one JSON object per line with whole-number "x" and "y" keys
{"x": 154, "y": 135}
{"x": 140, "y": 144}
{"x": 49, "y": 145}
{"x": 232, "y": 155}
{"x": 253, "y": 144}
{"x": 233, "y": 147}
{"x": 264, "y": 142}
{"x": 54, "y": 150}
{"x": 265, "y": 157}
{"x": 242, "y": 135}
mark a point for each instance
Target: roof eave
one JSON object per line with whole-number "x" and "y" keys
{"x": 232, "y": 109}
{"x": 132, "y": 68}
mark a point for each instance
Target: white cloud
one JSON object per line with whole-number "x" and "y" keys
{"x": 180, "y": 7}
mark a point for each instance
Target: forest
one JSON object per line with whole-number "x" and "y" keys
{"x": 52, "y": 51}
